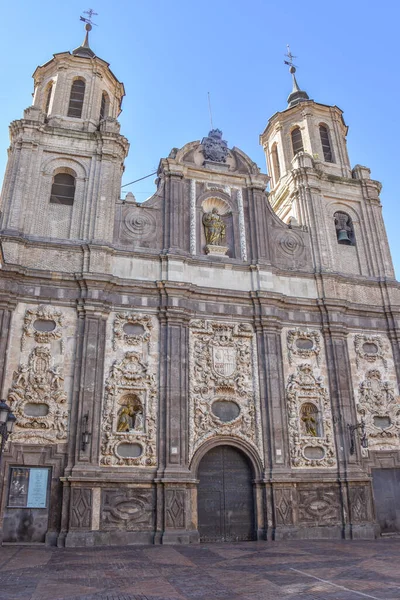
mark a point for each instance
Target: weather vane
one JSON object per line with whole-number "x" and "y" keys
{"x": 88, "y": 19}
{"x": 289, "y": 62}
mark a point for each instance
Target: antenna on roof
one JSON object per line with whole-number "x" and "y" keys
{"x": 209, "y": 110}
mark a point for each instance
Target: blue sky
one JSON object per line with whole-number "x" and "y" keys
{"x": 170, "y": 54}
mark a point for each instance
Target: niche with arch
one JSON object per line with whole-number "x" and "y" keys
{"x": 130, "y": 414}
{"x": 344, "y": 229}
{"x": 216, "y": 226}
{"x": 310, "y": 422}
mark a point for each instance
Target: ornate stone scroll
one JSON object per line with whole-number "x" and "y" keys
{"x": 129, "y": 414}
{"x": 303, "y": 344}
{"x": 242, "y": 228}
{"x": 370, "y": 348}
{"x": 379, "y": 408}
{"x": 132, "y": 329}
{"x": 223, "y": 389}
{"x": 310, "y": 430}
{"x": 38, "y": 400}
{"x": 43, "y": 324}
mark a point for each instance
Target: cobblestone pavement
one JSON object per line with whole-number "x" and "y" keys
{"x": 306, "y": 570}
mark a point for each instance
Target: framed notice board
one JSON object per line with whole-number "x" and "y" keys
{"x": 29, "y": 487}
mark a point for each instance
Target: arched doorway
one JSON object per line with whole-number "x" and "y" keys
{"x": 225, "y": 496}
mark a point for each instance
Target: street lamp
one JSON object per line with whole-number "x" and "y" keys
{"x": 7, "y": 420}
{"x": 363, "y": 437}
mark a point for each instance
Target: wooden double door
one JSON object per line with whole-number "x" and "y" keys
{"x": 225, "y": 496}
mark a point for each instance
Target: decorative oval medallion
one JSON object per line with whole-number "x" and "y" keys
{"x": 314, "y": 452}
{"x": 31, "y": 409}
{"x": 133, "y": 329}
{"x": 382, "y": 422}
{"x": 225, "y": 410}
{"x": 44, "y": 325}
{"x": 304, "y": 344}
{"x": 370, "y": 348}
{"x": 127, "y": 450}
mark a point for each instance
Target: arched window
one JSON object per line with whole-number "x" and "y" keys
{"x": 48, "y": 98}
{"x": 326, "y": 144}
{"x": 344, "y": 229}
{"x": 76, "y": 99}
{"x": 309, "y": 416}
{"x": 275, "y": 163}
{"x": 105, "y": 106}
{"x": 63, "y": 189}
{"x": 297, "y": 141}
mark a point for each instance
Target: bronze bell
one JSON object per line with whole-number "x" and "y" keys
{"x": 343, "y": 237}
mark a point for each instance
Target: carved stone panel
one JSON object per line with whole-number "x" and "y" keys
{"x": 81, "y": 507}
{"x": 379, "y": 407}
{"x": 370, "y": 348}
{"x": 284, "y": 506}
{"x": 131, "y": 329}
{"x": 128, "y": 509}
{"x": 310, "y": 431}
{"x": 359, "y": 503}
{"x": 44, "y": 324}
{"x": 304, "y": 344}
{"x": 38, "y": 400}
{"x": 319, "y": 506}
{"x": 175, "y": 508}
{"x": 223, "y": 384}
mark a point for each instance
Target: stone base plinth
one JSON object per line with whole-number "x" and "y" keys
{"x": 216, "y": 250}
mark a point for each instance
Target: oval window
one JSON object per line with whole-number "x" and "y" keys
{"x": 225, "y": 410}
{"x": 370, "y": 348}
{"x": 44, "y": 325}
{"x": 314, "y": 452}
{"x": 32, "y": 409}
{"x": 304, "y": 344}
{"x": 129, "y": 450}
{"x": 133, "y": 329}
{"x": 382, "y": 422}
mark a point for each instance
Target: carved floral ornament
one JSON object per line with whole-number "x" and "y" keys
{"x": 38, "y": 400}
{"x": 379, "y": 408}
{"x": 223, "y": 384}
{"x": 309, "y": 420}
{"x": 303, "y": 344}
{"x": 129, "y": 414}
{"x": 131, "y": 329}
{"x": 44, "y": 324}
{"x": 370, "y": 348}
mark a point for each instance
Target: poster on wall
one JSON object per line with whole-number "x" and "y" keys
{"x": 28, "y": 487}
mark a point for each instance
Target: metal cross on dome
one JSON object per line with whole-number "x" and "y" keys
{"x": 88, "y": 19}
{"x": 290, "y": 56}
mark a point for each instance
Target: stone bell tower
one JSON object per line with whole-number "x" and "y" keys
{"x": 314, "y": 186}
{"x": 66, "y": 155}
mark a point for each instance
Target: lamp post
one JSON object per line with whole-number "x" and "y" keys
{"x": 363, "y": 437}
{"x": 7, "y": 420}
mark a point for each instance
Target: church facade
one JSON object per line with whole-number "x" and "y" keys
{"x": 216, "y": 363}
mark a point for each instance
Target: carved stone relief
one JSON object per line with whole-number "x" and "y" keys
{"x": 310, "y": 431}
{"x": 370, "y": 348}
{"x": 214, "y": 147}
{"x": 379, "y": 407}
{"x": 132, "y": 329}
{"x": 319, "y": 506}
{"x": 127, "y": 509}
{"x": 223, "y": 386}
{"x": 43, "y": 324}
{"x": 303, "y": 344}
{"x": 38, "y": 400}
{"x": 81, "y": 507}
{"x": 283, "y": 506}
{"x": 175, "y": 508}
{"x": 359, "y": 503}
{"x": 129, "y": 413}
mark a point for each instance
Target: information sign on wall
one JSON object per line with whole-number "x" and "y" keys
{"x": 28, "y": 487}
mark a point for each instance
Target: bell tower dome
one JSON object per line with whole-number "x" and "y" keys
{"x": 314, "y": 186}
{"x": 66, "y": 154}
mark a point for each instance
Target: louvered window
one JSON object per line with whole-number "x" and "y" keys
{"x": 63, "y": 189}
{"x": 76, "y": 99}
{"x": 326, "y": 143}
{"x": 48, "y": 98}
{"x": 104, "y": 106}
{"x": 297, "y": 141}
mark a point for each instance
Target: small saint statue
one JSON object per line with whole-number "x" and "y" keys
{"x": 124, "y": 420}
{"x": 214, "y": 228}
{"x": 310, "y": 425}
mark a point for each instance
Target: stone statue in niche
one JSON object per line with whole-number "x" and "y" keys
{"x": 309, "y": 419}
{"x": 130, "y": 417}
{"x": 214, "y": 228}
